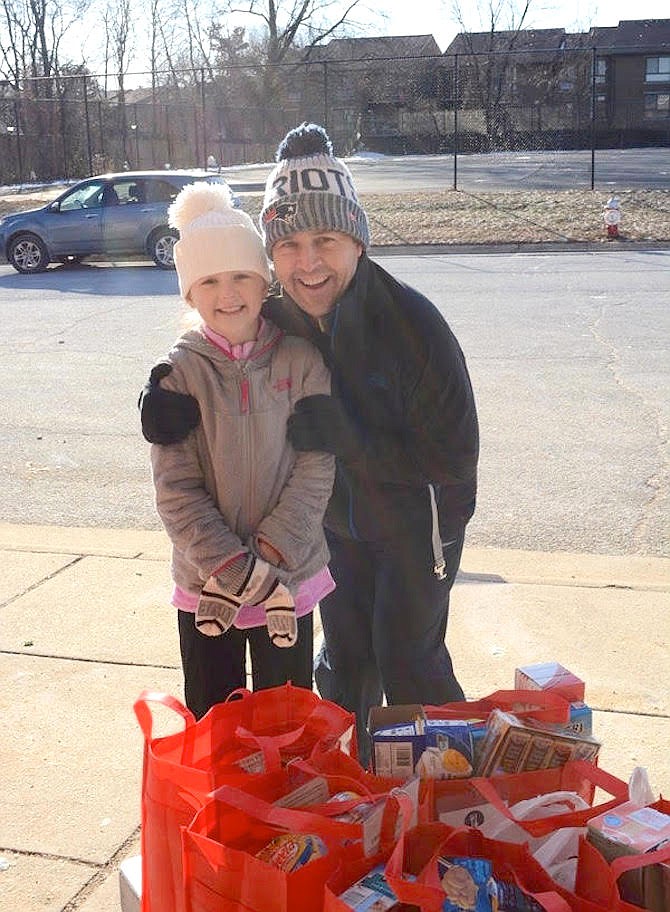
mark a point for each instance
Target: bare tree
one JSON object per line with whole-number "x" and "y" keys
{"x": 287, "y": 24}
{"x": 31, "y": 33}
{"x": 488, "y": 54}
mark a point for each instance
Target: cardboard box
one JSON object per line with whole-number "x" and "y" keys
{"x": 632, "y": 830}
{"x": 405, "y": 743}
{"x": 512, "y": 746}
{"x": 372, "y": 894}
{"x": 549, "y": 676}
{"x": 581, "y": 718}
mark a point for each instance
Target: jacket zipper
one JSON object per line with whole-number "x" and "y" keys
{"x": 245, "y": 403}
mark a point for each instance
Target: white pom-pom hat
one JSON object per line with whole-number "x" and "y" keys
{"x": 213, "y": 237}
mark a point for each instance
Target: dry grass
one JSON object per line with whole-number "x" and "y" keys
{"x": 534, "y": 216}
{"x": 459, "y": 217}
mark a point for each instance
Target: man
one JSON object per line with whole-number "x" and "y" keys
{"x": 401, "y": 422}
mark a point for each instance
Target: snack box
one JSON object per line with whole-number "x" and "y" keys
{"x": 513, "y": 746}
{"x": 632, "y": 830}
{"x": 549, "y": 676}
{"x": 581, "y": 718}
{"x": 373, "y": 894}
{"x": 405, "y": 743}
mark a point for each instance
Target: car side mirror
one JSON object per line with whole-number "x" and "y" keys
{"x": 54, "y": 207}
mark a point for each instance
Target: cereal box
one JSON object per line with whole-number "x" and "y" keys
{"x": 405, "y": 742}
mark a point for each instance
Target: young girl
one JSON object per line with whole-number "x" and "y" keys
{"x": 243, "y": 510}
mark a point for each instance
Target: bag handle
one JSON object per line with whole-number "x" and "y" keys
{"x": 543, "y": 826}
{"x": 354, "y": 785}
{"x": 241, "y": 692}
{"x": 543, "y": 705}
{"x": 285, "y": 818}
{"x": 269, "y": 745}
{"x": 144, "y": 715}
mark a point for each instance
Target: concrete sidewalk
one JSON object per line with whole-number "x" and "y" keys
{"x": 85, "y": 625}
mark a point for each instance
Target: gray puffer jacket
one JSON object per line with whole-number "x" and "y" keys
{"x": 236, "y": 476}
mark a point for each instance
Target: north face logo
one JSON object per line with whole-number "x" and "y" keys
{"x": 285, "y": 212}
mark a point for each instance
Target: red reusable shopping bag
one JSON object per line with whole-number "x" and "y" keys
{"x": 351, "y": 870}
{"x": 511, "y": 861}
{"x": 220, "y": 847}
{"x": 417, "y": 851}
{"x": 598, "y": 880}
{"x": 180, "y": 770}
{"x": 576, "y": 776}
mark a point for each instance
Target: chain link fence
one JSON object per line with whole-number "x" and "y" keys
{"x": 69, "y": 128}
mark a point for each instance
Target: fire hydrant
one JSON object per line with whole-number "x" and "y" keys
{"x": 612, "y": 216}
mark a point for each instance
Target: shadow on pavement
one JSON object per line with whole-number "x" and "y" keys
{"x": 126, "y": 279}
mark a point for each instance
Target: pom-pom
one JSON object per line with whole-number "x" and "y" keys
{"x": 196, "y": 200}
{"x": 307, "y": 139}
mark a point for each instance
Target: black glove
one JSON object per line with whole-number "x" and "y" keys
{"x": 167, "y": 417}
{"x": 321, "y": 423}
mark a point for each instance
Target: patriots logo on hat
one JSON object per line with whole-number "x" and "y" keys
{"x": 286, "y": 212}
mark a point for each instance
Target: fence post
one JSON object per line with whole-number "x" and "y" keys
{"x": 325, "y": 95}
{"x": 593, "y": 117}
{"x": 204, "y": 118}
{"x": 89, "y": 148}
{"x": 17, "y": 127}
{"x": 456, "y": 122}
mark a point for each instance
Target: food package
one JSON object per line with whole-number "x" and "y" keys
{"x": 631, "y": 830}
{"x": 512, "y": 745}
{"x": 549, "y": 676}
{"x": 406, "y": 743}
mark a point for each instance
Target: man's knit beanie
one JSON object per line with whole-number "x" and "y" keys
{"x": 213, "y": 236}
{"x": 310, "y": 189}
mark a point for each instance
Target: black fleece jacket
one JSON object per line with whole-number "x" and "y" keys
{"x": 401, "y": 376}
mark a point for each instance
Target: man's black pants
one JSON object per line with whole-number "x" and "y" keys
{"x": 385, "y": 625}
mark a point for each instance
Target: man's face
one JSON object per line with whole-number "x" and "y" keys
{"x": 315, "y": 267}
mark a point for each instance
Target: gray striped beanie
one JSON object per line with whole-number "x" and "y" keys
{"x": 310, "y": 189}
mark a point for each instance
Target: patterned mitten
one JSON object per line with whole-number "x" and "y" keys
{"x": 245, "y": 580}
{"x": 281, "y": 618}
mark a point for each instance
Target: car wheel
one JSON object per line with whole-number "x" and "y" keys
{"x": 28, "y": 253}
{"x": 70, "y": 260}
{"x": 161, "y": 247}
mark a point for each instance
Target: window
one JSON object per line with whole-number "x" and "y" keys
{"x": 601, "y": 70}
{"x": 657, "y": 104}
{"x": 86, "y": 197}
{"x": 658, "y": 69}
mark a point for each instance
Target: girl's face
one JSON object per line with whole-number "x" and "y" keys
{"x": 230, "y": 303}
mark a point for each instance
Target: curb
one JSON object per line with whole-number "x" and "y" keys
{"x": 518, "y": 247}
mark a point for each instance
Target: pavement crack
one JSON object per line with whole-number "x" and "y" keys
{"x": 658, "y": 482}
{"x": 42, "y": 580}
{"x": 101, "y": 873}
{"x": 117, "y": 663}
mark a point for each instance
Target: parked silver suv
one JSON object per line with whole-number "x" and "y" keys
{"x": 109, "y": 215}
